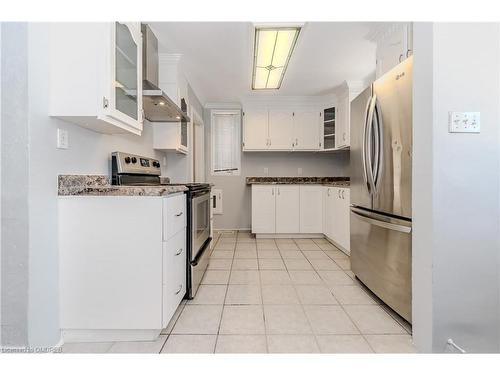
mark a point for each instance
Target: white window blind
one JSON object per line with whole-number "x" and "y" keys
{"x": 226, "y": 143}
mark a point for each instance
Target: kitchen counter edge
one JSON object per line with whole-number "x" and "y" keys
{"x": 98, "y": 185}
{"x": 325, "y": 181}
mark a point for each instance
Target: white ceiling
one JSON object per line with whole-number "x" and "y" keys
{"x": 217, "y": 57}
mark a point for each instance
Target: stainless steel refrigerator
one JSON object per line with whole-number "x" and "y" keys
{"x": 381, "y": 167}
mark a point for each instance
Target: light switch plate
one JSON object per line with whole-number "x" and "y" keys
{"x": 464, "y": 122}
{"x": 62, "y": 139}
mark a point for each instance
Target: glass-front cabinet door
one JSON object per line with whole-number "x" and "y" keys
{"x": 126, "y": 74}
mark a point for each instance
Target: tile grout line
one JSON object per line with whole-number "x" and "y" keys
{"x": 225, "y": 295}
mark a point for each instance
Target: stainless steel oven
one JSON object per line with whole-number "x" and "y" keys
{"x": 198, "y": 242}
{"x": 201, "y": 222}
{"x": 135, "y": 170}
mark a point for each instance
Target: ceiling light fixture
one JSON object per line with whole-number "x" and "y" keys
{"x": 273, "y": 47}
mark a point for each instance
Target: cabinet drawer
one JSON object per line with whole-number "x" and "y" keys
{"x": 174, "y": 215}
{"x": 174, "y": 274}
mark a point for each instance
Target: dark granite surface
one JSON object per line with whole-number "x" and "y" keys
{"x": 328, "y": 181}
{"x": 99, "y": 185}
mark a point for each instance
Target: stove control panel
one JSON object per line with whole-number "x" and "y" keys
{"x": 123, "y": 163}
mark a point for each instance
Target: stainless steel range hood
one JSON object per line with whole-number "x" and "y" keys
{"x": 158, "y": 107}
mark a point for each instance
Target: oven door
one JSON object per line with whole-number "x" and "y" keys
{"x": 200, "y": 229}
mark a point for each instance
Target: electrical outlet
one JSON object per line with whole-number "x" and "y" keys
{"x": 266, "y": 171}
{"x": 464, "y": 122}
{"x": 299, "y": 171}
{"x": 62, "y": 139}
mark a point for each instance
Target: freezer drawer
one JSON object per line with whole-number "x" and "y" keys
{"x": 381, "y": 257}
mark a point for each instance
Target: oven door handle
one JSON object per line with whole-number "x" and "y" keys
{"x": 200, "y": 254}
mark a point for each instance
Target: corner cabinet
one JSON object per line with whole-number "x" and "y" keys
{"x": 302, "y": 210}
{"x": 96, "y": 75}
{"x": 336, "y": 216}
{"x": 337, "y": 120}
{"x": 288, "y": 129}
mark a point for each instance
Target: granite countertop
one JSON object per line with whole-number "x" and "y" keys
{"x": 99, "y": 185}
{"x": 327, "y": 181}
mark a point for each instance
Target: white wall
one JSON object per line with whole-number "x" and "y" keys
{"x": 88, "y": 153}
{"x": 15, "y": 179}
{"x": 237, "y": 195}
{"x": 423, "y": 219}
{"x": 462, "y": 184}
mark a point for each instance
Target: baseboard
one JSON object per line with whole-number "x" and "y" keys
{"x": 289, "y": 235}
{"x": 232, "y": 230}
{"x": 106, "y": 335}
{"x": 341, "y": 248}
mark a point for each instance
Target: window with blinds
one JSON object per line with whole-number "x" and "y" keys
{"x": 226, "y": 149}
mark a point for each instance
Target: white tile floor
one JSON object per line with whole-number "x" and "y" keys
{"x": 275, "y": 296}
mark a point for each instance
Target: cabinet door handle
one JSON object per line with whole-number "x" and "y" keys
{"x": 272, "y": 191}
{"x": 343, "y": 136}
{"x": 342, "y": 194}
{"x": 296, "y": 141}
{"x": 179, "y": 214}
{"x": 178, "y": 252}
{"x": 328, "y": 191}
{"x": 279, "y": 193}
{"x": 340, "y": 197}
{"x": 180, "y": 288}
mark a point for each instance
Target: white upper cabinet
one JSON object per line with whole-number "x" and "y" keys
{"x": 337, "y": 120}
{"x": 342, "y": 131}
{"x": 306, "y": 130}
{"x": 394, "y": 44}
{"x": 172, "y": 136}
{"x": 290, "y": 129}
{"x": 96, "y": 75}
{"x": 280, "y": 129}
{"x": 255, "y": 130}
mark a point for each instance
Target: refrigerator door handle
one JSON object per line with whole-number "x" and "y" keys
{"x": 362, "y": 215}
{"x": 363, "y": 148}
{"x": 378, "y": 138}
{"x": 368, "y": 140}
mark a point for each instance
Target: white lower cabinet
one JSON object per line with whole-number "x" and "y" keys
{"x": 287, "y": 209}
{"x": 263, "y": 209}
{"x": 311, "y": 209}
{"x": 122, "y": 272}
{"x": 337, "y": 216}
{"x": 110, "y": 266}
{"x": 173, "y": 255}
{"x": 302, "y": 210}
{"x": 174, "y": 274}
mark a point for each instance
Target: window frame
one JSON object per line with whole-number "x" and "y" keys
{"x": 213, "y": 114}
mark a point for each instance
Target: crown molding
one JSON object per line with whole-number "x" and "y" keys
{"x": 169, "y": 58}
{"x": 222, "y": 105}
{"x": 382, "y": 30}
